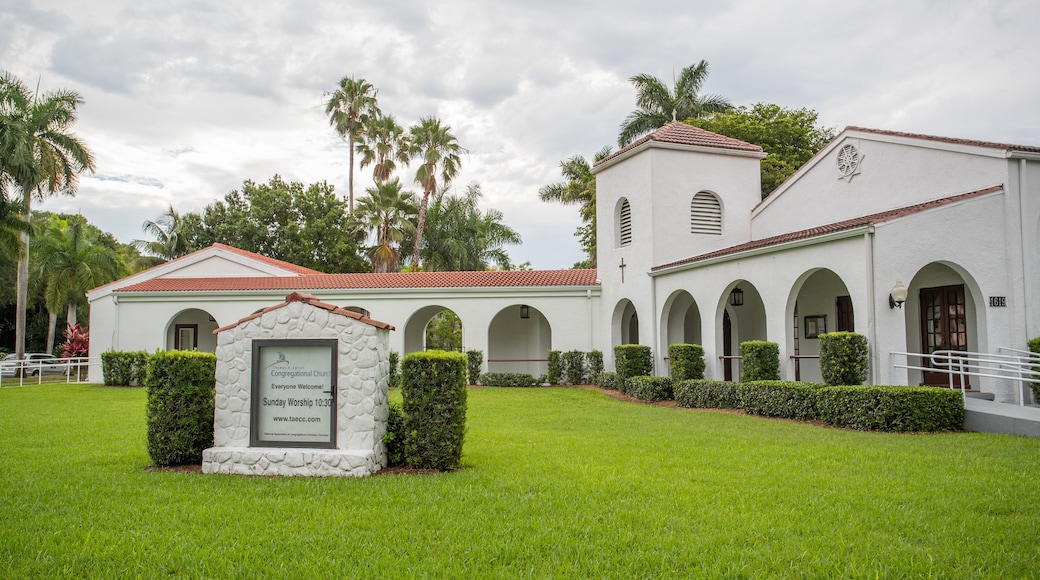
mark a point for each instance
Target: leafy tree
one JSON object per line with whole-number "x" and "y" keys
{"x": 387, "y": 212}
{"x": 385, "y": 144}
{"x": 444, "y": 332}
{"x": 12, "y": 226}
{"x": 790, "y": 137}
{"x": 170, "y": 242}
{"x": 658, "y": 105}
{"x": 70, "y": 261}
{"x": 579, "y": 188}
{"x": 460, "y": 237}
{"x": 350, "y": 107}
{"x": 438, "y": 150}
{"x": 39, "y": 156}
{"x": 286, "y": 221}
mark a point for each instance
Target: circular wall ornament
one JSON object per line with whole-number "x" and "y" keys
{"x": 848, "y": 161}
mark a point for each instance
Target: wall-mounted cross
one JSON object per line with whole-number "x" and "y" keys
{"x": 622, "y": 266}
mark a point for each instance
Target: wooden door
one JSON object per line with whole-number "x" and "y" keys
{"x": 846, "y": 320}
{"x": 944, "y": 326}
{"x": 727, "y": 347}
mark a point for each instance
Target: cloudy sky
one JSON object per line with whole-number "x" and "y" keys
{"x": 186, "y": 99}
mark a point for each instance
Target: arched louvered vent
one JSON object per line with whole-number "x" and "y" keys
{"x": 705, "y": 214}
{"x": 626, "y": 223}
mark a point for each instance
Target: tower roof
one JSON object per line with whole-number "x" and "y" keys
{"x": 677, "y": 133}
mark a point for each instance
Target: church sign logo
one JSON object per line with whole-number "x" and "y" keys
{"x": 293, "y": 393}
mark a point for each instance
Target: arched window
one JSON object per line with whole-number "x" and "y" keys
{"x": 625, "y": 223}
{"x": 705, "y": 214}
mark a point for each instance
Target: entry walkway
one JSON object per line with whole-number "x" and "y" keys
{"x": 991, "y": 417}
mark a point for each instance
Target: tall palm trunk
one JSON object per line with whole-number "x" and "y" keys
{"x": 23, "y": 287}
{"x": 70, "y": 319}
{"x": 350, "y": 178}
{"x": 52, "y": 323}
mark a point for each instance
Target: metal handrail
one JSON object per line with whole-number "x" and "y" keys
{"x": 962, "y": 364}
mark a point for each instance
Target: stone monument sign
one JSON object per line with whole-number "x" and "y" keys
{"x": 301, "y": 389}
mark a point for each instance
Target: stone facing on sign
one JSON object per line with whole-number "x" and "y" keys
{"x": 362, "y": 407}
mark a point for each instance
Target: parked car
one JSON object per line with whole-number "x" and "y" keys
{"x": 35, "y": 363}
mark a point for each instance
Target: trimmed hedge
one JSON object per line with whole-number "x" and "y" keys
{"x": 606, "y": 380}
{"x": 1034, "y": 346}
{"x": 889, "y": 408}
{"x": 574, "y": 367}
{"x": 181, "y": 390}
{"x": 705, "y": 394}
{"x": 507, "y": 380}
{"x": 786, "y": 399}
{"x": 474, "y": 360}
{"x": 686, "y": 361}
{"x": 595, "y": 359}
{"x": 395, "y": 435}
{"x": 124, "y": 368}
{"x": 633, "y": 360}
{"x": 843, "y": 358}
{"x": 650, "y": 389}
{"x": 434, "y": 390}
{"x": 555, "y": 368}
{"x": 761, "y": 361}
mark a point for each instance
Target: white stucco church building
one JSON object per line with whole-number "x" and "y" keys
{"x": 689, "y": 252}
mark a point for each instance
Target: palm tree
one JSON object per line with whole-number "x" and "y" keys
{"x": 350, "y": 107}
{"x": 439, "y": 152}
{"x": 11, "y": 227}
{"x": 40, "y": 156}
{"x": 70, "y": 262}
{"x": 658, "y": 106}
{"x": 462, "y": 238}
{"x": 579, "y": 188}
{"x": 385, "y": 144}
{"x": 387, "y": 212}
{"x": 170, "y": 242}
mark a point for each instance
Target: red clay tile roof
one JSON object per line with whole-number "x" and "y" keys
{"x": 313, "y": 301}
{"x": 497, "y": 279}
{"x": 683, "y": 134}
{"x": 279, "y": 263}
{"x": 971, "y": 142}
{"x": 872, "y": 219}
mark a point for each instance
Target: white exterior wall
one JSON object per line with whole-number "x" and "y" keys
{"x": 892, "y": 175}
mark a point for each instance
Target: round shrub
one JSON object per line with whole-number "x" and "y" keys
{"x": 760, "y": 362}
{"x": 181, "y": 391}
{"x": 574, "y": 367}
{"x": 433, "y": 386}
{"x": 633, "y": 360}
{"x": 843, "y": 358}
{"x": 555, "y": 368}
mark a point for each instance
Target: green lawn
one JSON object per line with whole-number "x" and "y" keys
{"x": 556, "y": 483}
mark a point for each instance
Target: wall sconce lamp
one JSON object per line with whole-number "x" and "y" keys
{"x": 525, "y": 311}
{"x": 736, "y": 297}
{"x": 897, "y": 296}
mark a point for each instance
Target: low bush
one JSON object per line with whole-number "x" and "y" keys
{"x": 433, "y": 387}
{"x": 686, "y": 361}
{"x": 555, "y": 368}
{"x": 127, "y": 369}
{"x": 595, "y": 360}
{"x": 787, "y": 399}
{"x": 886, "y": 408}
{"x": 574, "y": 367}
{"x": 181, "y": 391}
{"x": 649, "y": 389}
{"x": 606, "y": 380}
{"x": 395, "y": 435}
{"x": 474, "y": 360}
{"x": 760, "y": 362}
{"x": 705, "y": 394}
{"x": 507, "y": 380}
{"x": 633, "y": 360}
{"x": 1034, "y": 346}
{"x": 395, "y": 369}
{"x": 843, "y": 358}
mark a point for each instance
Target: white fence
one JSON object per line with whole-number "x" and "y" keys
{"x": 72, "y": 370}
{"x": 1010, "y": 364}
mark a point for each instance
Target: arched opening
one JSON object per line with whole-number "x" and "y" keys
{"x": 680, "y": 320}
{"x": 192, "y": 329}
{"x": 624, "y": 324}
{"x": 941, "y": 314}
{"x": 821, "y": 303}
{"x": 741, "y": 315}
{"x": 431, "y": 327}
{"x": 519, "y": 339}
